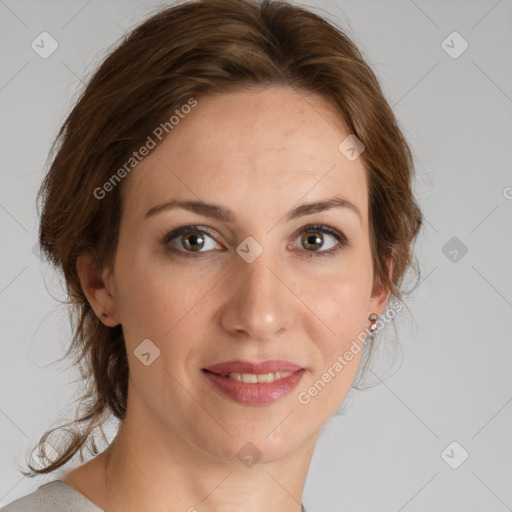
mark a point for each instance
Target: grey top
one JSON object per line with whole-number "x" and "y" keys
{"x": 53, "y": 496}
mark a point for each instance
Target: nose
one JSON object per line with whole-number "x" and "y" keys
{"x": 258, "y": 304}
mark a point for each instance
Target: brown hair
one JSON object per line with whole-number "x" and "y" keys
{"x": 179, "y": 53}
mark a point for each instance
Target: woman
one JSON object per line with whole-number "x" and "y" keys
{"x": 231, "y": 207}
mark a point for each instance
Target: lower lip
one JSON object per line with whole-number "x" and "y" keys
{"x": 257, "y": 393}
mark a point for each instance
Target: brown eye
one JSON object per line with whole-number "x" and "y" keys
{"x": 193, "y": 240}
{"x": 320, "y": 239}
{"x": 312, "y": 240}
{"x": 188, "y": 240}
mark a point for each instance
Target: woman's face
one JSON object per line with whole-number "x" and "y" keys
{"x": 253, "y": 285}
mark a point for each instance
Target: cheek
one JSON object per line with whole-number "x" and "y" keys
{"x": 153, "y": 294}
{"x": 339, "y": 345}
{"x": 346, "y": 305}
{"x": 157, "y": 304}
{"x": 340, "y": 305}
{"x": 341, "y": 296}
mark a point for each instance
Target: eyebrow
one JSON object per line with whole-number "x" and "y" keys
{"x": 226, "y": 215}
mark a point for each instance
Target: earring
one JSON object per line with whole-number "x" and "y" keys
{"x": 373, "y": 327}
{"x": 104, "y": 314}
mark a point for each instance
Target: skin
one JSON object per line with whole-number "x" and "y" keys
{"x": 259, "y": 153}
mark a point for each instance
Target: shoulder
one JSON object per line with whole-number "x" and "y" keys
{"x": 53, "y": 496}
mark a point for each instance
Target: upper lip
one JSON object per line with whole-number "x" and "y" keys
{"x": 270, "y": 366}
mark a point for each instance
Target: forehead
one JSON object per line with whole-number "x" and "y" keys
{"x": 251, "y": 149}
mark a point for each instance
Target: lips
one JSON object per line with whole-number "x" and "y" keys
{"x": 254, "y": 383}
{"x": 271, "y": 366}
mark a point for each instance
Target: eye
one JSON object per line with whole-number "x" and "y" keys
{"x": 312, "y": 238}
{"x": 189, "y": 239}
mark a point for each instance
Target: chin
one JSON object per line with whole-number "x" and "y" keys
{"x": 261, "y": 446}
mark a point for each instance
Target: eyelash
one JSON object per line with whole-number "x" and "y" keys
{"x": 340, "y": 237}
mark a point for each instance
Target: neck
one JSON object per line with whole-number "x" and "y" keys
{"x": 148, "y": 467}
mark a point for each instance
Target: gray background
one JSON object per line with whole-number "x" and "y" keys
{"x": 454, "y": 383}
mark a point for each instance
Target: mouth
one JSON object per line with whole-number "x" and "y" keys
{"x": 254, "y": 383}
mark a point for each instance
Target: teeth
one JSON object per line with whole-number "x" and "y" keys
{"x": 252, "y": 378}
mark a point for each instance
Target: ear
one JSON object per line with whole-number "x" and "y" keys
{"x": 99, "y": 288}
{"x": 380, "y": 296}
